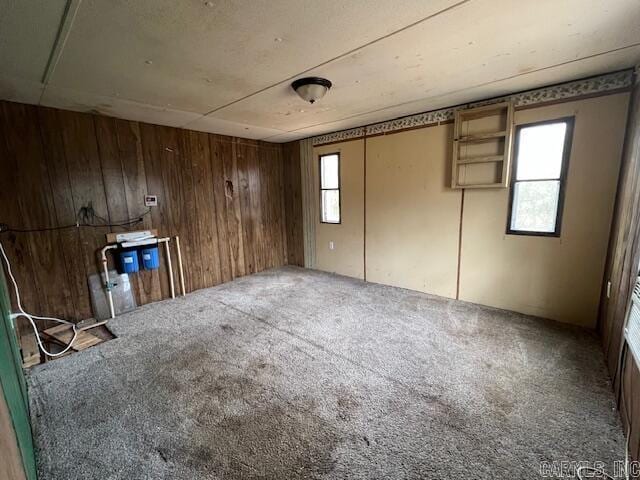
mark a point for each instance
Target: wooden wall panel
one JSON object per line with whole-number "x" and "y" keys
{"x": 53, "y": 145}
{"x": 292, "y": 198}
{"x": 205, "y": 207}
{"x": 227, "y": 198}
{"x": 124, "y": 177}
{"x": 35, "y": 201}
{"x": 87, "y": 187}
{"x": 621, "y": 270}
{"x": 276, "y": 218}
{"x": 135, "y": 186}
{"x": 221, "y": 148}
{"x": 245, "y": 162}
{"x": 113, "y": 179}
{"x": 184, "y": 216}
{"x": 151, "y": 153}
{"x": 16, "y": 245}
{"x": 235, "y": 224}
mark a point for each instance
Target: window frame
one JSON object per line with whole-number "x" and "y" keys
{"x": 564, "y": 168}
{"x": 327, "y": 189}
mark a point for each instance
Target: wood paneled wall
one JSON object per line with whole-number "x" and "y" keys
{"x": 293, "y": 204}
{"x": 235, "y": 203}
{"x": 622, "y": 270}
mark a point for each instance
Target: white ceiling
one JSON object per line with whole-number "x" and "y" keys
{"x": 226, "y": 66}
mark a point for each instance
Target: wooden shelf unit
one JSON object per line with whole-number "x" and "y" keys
{"x": 482, "y": 146}
{"x": 480, "y": 159}
{"x": 481, "y": 137}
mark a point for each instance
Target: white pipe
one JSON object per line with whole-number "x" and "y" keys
{"x": 107, "y": 283}
{"x": 166, "y": 250}
{"x": 180, "y": 271}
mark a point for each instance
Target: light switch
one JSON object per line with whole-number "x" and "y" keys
{"x": 331, "y": 245}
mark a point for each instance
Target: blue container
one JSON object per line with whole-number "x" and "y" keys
{"x": 129, "y": 261}
{"x": 150, "y": 258}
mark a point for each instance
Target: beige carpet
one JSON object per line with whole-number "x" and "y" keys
{"x": 295, "y": 374}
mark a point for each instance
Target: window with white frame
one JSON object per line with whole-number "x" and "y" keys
{"x": 539, "y": 176}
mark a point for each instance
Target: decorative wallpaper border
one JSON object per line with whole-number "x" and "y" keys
{"x": 578, "y": 88}
{"x": 339, "y": 136}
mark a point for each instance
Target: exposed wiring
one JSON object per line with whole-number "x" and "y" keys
{"x": 85, "y": 218}
{"x": 32, "y": 318}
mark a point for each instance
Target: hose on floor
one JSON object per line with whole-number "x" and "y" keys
{"x": 33, "y": 318}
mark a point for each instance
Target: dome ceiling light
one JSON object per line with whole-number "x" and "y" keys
{"x": 311, "y": 89}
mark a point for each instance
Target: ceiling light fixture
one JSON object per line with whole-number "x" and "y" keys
{"x": 311, "y": 89}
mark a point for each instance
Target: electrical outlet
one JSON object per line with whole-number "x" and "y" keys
{"x": 331, "y": 246}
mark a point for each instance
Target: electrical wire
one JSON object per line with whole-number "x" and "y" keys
{"x": 88, "y": 216}
{"x": 125, "y": 223}
{"x": 32, "y": 318}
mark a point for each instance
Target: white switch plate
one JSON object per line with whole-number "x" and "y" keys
{"x": 609, "y": 289}
{"x": 150, "y": 200}
{"x": 330, "y": 245}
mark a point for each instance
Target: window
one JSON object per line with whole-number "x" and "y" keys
{"x": 538, "y": 177}
{"x": 330, "y": 188}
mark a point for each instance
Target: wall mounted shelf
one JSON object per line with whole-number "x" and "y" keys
{"x": 482, "y": 146}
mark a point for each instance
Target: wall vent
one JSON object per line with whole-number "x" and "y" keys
{"x": 632, "y": 330}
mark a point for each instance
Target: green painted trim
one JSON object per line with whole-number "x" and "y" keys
{"x": 14, "y": 384}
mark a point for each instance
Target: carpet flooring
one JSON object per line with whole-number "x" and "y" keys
{"x": 297, "y": 374}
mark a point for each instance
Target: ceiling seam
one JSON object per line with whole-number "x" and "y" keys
{"x": 339, "y": 57}
{"x": 68, "y": 17}
{"x": 459, "y": 90}
{"x": 156, "y": 108}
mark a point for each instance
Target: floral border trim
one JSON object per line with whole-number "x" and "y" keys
{"x": 339, "y": 136}
{"x": 419, "y": 120}
{"x": 578, "y": 88}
